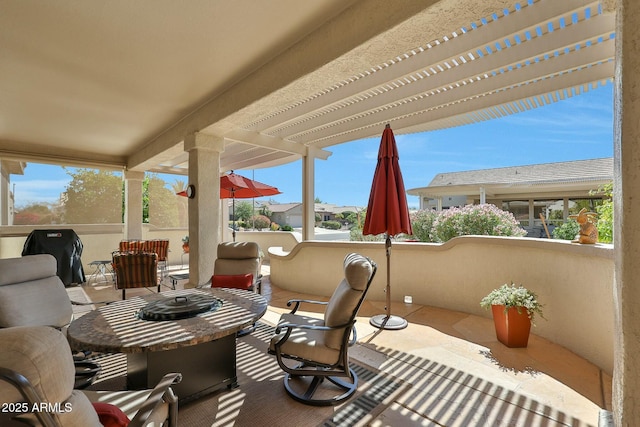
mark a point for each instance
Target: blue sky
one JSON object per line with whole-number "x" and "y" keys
{"x": 573, "y": 129}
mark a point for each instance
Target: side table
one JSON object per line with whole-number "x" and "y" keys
{"x": 100, "y": 268}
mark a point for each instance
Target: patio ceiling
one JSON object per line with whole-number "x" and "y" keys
{"x": 120, "y": 84}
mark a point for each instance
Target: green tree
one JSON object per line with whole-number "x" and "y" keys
{"x": 264, "y": 210}
{"x": 182, "y": 202}
{"x": 161, "y": 202}
{"x": 93, "y": 197}
{"x": 244, "y": 211}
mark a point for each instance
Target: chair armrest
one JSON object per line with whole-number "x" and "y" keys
{"x": 161, "y": 393}
{"x": 28, "y": 392}
{"x": 297, "y": 303}
{"x": 311, "y": 327}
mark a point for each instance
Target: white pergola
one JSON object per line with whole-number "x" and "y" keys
{"x": 205, "y": 86}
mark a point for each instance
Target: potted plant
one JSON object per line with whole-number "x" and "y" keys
{"x": 514, "y": 309}
{"x": 185, "y": 244}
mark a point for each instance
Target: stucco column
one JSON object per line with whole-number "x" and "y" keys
{"x": 133, "y": 204}
{"x": 626, "y": 380}
{"x": 4, "y": 195}
{"x": 308, "y": 196}
{"x": 204, "y": 209}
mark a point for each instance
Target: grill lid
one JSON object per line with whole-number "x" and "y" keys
{"x": 180, "y": 307}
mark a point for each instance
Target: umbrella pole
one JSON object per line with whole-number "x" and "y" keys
{"x": 233, "y": 216}
{"x": 387, "y": 321}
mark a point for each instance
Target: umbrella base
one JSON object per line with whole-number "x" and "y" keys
{"x": 390, "y": 322}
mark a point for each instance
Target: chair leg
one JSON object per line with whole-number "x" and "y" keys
{"x": 306, "y": 396}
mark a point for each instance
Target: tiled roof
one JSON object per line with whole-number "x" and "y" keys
{"x": 546, "y": 173}
{"x": 281, "y": 207}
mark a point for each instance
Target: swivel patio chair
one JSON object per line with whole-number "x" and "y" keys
{"x": 135, "y": 270}
{"x": 36, "y": 386}
{"x": 321, "y": 346}
{"x": 238, "y": 266}
{"x": 32, "y": 294}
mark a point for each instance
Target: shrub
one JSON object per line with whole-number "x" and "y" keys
{"x": 260, "y": 222}
{"x": 422, "y": 224}
{"x": 332, "y": 225}
{"x": 567, "y": 231}
{"x": 605, "y": 215}
{"x": 355, "y": 235}
{"x": 481, "y": 220}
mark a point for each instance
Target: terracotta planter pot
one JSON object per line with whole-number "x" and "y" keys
{"x": 185, "y": 248}
{"x": 512, "y": 328}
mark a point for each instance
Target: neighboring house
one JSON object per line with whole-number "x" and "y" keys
{"x": 554, "y": 190}
{"x": 291, "y": 213}
{"x": 286, "y": 213}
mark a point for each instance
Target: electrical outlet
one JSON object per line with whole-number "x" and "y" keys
{"x": 408, "y": 299}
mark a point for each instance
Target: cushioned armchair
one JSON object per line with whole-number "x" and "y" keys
{"x": 36, "y": 368}
{"x": 237, "y": 266}
{"x": 32, "y": 294}
{"x": 322, "y": 345}
{"x": 135, "y": 270}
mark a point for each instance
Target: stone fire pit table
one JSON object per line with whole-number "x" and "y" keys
{"x": 202, "y": 347}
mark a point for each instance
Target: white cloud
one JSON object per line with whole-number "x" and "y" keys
{"x": 38, "y": 191}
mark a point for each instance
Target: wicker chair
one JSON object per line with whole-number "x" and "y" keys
{"x": 322, "y": 345}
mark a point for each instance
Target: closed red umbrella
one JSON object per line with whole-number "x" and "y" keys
{"x": 234, "y": 186}
{"x": 388, "y": 213}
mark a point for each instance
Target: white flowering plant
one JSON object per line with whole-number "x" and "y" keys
{"x": 511, "y": 295}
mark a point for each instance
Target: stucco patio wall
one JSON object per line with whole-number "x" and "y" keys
{"x": 574, "y": 282}
{"x": 98, "y": 241}
{"x": 283, "y": 239}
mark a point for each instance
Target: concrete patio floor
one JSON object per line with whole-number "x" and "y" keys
{"x": 457, "y": 373}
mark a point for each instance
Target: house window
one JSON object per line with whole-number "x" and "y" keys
{"x": 553, "y": 211}
{"x": 519, "y": 209}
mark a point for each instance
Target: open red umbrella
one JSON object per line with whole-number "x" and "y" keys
{"x": 234, "y": 186}
{"x": 388, "y": 213}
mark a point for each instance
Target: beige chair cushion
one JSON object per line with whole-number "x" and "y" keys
{"x": 305, "y": 343}
{"x": 238, "y": 250}
{"x": 32, "y": 294}
{"x": 43, "y": 356}
{"x": 344, "y": 301}
{"x": 237, "y": 258}
{"x": 26, "y": 268}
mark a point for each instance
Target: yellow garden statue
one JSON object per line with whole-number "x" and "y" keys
{"x": 588, "y": 230}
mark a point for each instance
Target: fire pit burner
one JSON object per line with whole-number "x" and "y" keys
{"x": 180, "y": 307}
